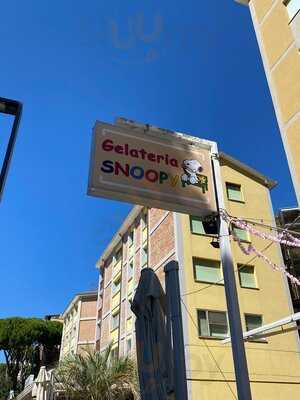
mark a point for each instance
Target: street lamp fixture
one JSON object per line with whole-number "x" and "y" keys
{"x": 10, "y": 107}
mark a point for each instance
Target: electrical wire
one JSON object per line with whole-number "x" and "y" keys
{"x": 240, "y": 267}
{"x": 209, "y": 350}
{"x": 271, "y": 227}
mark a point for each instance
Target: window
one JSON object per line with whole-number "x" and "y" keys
{"x": 247, "y": 276}
{"x": 199, "y": 227}
{"x": 196, "y": 225}
{"x": 118, "y": 255}
{"x": 253, "y": 321}
{"x": 212, "y": 323}
{"x": 114, "y": 354}
{"x": 130, "y": 270}
{"x": 128, "y": 345}
{"x": 293, "y": 7}
{"x": 115, "y": 321}
{"x": 116, "y": 285}
{"x": 130, "y": 238}
{"x": 129, "y": 312}
{"x": 207, "y": 270}
{"x": 242, "y": 234}
{"x": 144, "y": 256}
{"x": 144, "y": 218}
{"x": 234, "y": 192}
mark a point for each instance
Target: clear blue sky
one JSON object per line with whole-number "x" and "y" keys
{"x": 72, "y": 62}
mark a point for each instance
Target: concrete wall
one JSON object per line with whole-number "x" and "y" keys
{"x": 274, "y": 365}
{"x": 276, "y": 36}
{"x": 158, "y": 235}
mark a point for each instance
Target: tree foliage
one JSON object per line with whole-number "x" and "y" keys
{"x": 93, "y": 376}
{"x": 21, "y": 340}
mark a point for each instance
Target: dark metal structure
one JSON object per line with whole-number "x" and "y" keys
{"x": 10, "y": 107}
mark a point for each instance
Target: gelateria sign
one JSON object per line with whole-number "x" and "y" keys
{"x": 162, "y": 170}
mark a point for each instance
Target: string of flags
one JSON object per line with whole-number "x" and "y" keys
{"x": 283, "y": 237}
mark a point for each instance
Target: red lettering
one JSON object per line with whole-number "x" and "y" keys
{"x": 160, "y": 158}
{"x": 134, "y": 153}
{"x": 143, "y": 153}
{"x": 119, "y": 149}
{"x": 151, "y": 175}
{"x": 174, "y": 162}
{"x": 151, "y": 157}
{"x": 108, "y": 145}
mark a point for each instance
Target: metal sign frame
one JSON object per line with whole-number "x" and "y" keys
{"x": 10, "y": 107}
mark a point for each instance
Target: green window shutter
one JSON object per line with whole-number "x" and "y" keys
{"x": 202, "y": 323}
{"x": 247, "y": 277}
{"x": 234, "y": 192}
{"x": 217, "y": 324}
{"x": 253, "y": 321}
{"x": 196, "y": 225}
{"x": 207, "y": 270}
{"x": 241, "y": 234}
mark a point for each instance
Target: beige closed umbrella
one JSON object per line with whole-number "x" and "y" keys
{"x": 42, "y": 385}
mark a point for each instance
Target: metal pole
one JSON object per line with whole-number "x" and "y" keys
{"x": 236, "y": 332}
{"x": 10, "y": 107}
{"x": 174, "y": 305}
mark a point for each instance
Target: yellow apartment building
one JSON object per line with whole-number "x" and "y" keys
{"x": 79, "y": 321}
{"x": 277, "y": 28}
{"x": 152, "y": 238}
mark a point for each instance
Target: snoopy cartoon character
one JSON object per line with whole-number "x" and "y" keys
{"x": 191, "y": 169}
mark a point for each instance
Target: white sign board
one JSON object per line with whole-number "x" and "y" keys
{"x": 162, "y": 170}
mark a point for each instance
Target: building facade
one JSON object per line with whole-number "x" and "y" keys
{"x": 79, "y": 320}
{"x": 277, "y": 28}
{"x": 153, "y": 237}
{"x": 289, "y": 218}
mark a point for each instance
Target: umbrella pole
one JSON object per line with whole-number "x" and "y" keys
{"x": 173, "y": 298}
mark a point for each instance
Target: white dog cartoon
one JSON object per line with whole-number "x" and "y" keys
{"x": 191, "y": 168}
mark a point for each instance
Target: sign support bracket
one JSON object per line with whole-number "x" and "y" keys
{"x": 236, "y": 332}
